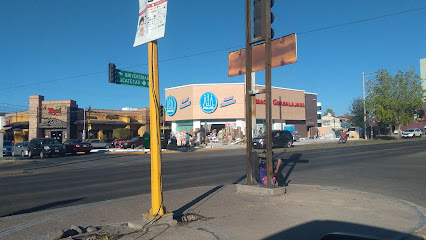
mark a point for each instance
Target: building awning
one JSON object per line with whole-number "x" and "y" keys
{"x": 106, "y": 122}
{"x": 17, "y": 125}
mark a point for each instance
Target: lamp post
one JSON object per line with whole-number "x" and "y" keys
{"x": 363, "y": 97}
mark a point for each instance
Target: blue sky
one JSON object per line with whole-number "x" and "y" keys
{"x": 61, "y": 49}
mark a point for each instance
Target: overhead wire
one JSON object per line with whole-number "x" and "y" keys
{"x": 223, "y": 49}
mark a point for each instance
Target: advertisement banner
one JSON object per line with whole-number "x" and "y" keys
{"x": 151, "y": 21}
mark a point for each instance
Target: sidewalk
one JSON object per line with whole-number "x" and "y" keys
{"x": 304, "y": 212}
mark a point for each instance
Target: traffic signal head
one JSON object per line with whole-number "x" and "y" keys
{"x": 111, "y": 73}
{"x": 259, "y": 19}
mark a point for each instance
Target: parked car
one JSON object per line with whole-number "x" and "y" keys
{"x": 77, "y": 145}
{"x": 296, "y": 136}
{"x": 20, "y": 149}
{"x": 99, "y": 144}
{"x": 45, "y": 147}
{"x": 412, "y": 132}
{"x": 280, "y": 138}
{"x": 132, "y": 143}
{"x": 117, "y": 143}
{"x": 7, "y": 147}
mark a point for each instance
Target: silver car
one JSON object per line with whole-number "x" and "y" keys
{"x": 296, "y": 136}
{"x": 20, "y": 149}
{"x": 99, "y": 144}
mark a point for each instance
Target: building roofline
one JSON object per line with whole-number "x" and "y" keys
{"x": 210, "y": 84}
{"x": 202, "y": 84}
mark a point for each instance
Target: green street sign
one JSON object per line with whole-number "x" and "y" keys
{"x": 131, "y": 78}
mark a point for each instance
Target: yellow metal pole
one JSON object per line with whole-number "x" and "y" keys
{"x": 157, "y": 208}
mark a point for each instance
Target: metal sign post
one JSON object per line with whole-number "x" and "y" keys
{"x": 1, "y": 144}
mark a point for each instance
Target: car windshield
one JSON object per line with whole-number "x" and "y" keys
{"x": 25, "y": 144}
{"x": 409, "y": 130}
{"x": 78, "y": 141}
{"x": 134, "y": 139}
{"x": 49, "y": 141}
{"x": 7, "y": 143}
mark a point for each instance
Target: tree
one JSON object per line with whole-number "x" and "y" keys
{"x": 329, "y": 111}
{"x": 121, "y": 133}
{"x": 357, "y": 113}
{"x": 393, "y": 99}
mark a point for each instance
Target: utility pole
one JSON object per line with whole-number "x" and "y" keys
{"x": 249, "y": 130}
{"x": 84, "y": 125}
{"x": 157, "y": 207}
{"x": 268, "y": 84}
{"x": 363, "y": 97}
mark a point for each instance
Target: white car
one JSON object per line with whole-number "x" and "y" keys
{"x": 412, "y": 132}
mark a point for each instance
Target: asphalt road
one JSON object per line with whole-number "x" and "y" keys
{"x": 394, "y": 169}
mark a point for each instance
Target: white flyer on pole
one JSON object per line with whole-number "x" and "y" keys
{"x": 151, "y": 22}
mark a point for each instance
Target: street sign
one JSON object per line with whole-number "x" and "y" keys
{"x": 131, "y": 78}
{"x": 284, "y": 51}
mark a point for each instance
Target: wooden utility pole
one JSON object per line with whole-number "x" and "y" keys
{"x": 249, "y": 130}
{"x": 268, "y": 84}
{"x": 157, "y": 208}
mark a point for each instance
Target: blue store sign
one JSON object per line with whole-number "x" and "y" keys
{"x": 208, "y": 102}
{"x": 171, "y": 105}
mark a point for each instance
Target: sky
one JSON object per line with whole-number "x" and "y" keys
{"x": 61, "y": 49}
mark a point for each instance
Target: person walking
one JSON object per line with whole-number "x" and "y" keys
{"x": 187, "y": 140}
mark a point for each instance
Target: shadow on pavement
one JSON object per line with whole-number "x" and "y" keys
{"x": 179, "y": 212}
{"x": 43, "y": 207}
{"x": 315, "y": 230}
{"x": 291, "y": 162}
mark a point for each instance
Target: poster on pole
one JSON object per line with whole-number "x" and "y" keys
{"x": 151, "y": 21}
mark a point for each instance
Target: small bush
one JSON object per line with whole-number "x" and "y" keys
{"x": 122, "y": 133}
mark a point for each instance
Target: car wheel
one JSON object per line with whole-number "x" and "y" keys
{"x": 87, "y": 153}
{"x": 133, "y": 146}
{"x": 73, "y": 152}
{"x": 13, "y": 153}
{"x": 289, "y": 143}
{"x": 42, "y": 154}
{"x": 107, "y": 146}
{"x": 22, "y": 153}
{"x": 62, "y": 155}
{"x": 30, "y": 154}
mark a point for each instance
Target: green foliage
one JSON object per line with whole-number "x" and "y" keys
{"x": 122, "y": 133}
{"x": 393, "y": 99}
{"x": 357, "y": 113}
{"x": 329, "y": 111}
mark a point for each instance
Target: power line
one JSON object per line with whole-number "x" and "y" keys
{"x": 362, "y": 20}
{"x": 222, "y": 49}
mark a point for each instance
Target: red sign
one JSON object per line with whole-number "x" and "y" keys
{"x": 281, "y": 103}
{"x": 55, "y": 111}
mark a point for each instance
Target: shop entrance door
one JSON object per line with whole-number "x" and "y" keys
{"x": 56, "y": 135}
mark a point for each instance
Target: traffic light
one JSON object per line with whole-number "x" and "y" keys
{"x": 259, "y": 19}
{"x": 111, "y": 72}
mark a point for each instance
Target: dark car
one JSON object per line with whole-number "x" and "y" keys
{"x": 280, "y": 138}
{"x": 7, "y": 147}
{"x": 20, "y": 149}
{"x": 77, "y": 145}
{"x": 132, "y": 143}
{"x": 45, "y": 147}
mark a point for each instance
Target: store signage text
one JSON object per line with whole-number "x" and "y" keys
{"x": 185, "y": 103}
{"x": 208, "y": 102}
{"x": 171, "y": 105}
{"x": 281, "y": 103}
{"x": 228, "y": 101}
{"x": 55, "y": 111}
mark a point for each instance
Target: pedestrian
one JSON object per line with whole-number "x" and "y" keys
{"x": 187, "y": 140}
